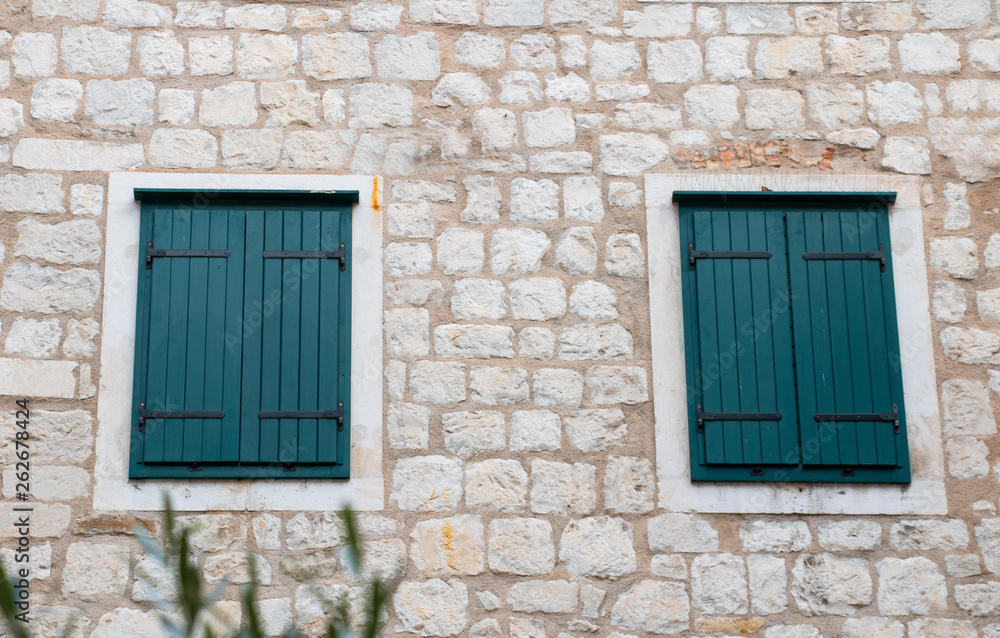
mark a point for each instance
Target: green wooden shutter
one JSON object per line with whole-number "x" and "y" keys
{"x": 222, "y": 340}
{"x": 737, "y": 342}
{"x": 809, "y": 334}
{"x": 846, "y": 342}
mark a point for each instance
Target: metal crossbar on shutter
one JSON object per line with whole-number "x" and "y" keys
{"x": 340, "y": 255}
{"x": 695, "y": 255}
{"x": 873, "y": 255}
{"x": 151, "y": 253}
{"x": 734, "y": 416}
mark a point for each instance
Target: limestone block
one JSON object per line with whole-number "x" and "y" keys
{"x": 988, "y": 539}
{"x": 289, "y": 102}
{"x": 726, "y": 59}
{"x": 593, "y": 300}
{"x": 596, "y": 430}
{"x": 235, "y": 567}
{"x": 496, "y": 485}
{"x": 967, "y": 458}
{"x": 681, "y": 533}
{"x": 677, "y": 61}
{"x": 971, "y": 346}
{"x": 438, "y": 383}
{"x": 175, "y": 107}
{"x": 949, "y": 301}
{"x": 232, "y": 104}
{"x": 614, "y": 60}
{"x": 954, "y": 14}
{"x": 928, "y": 54}
{"x": 648, "y": 117}
{"x": 375, "y": 105}
{"x": 34, "y": 55}
{"x": 537, "y": 298}
{"x": 74, "y": 242}
{"x": 449, "y": 546}
{"x": 407, "y": 425}
{"x": 318, "y": 149}
{"x": 590, "y": 342}
{"x": 514, "y": 13}
{"x": 534, "y": 201}
{"x": 719, "y": 584}
{"x": 460, "y": 251}
{"x": 517, "y": 251}
{"x": 129, "y": 622}
{"x": 315, "y": 18}
{"x": 427, "y": 484}
{"x": 80, "y": 338}
{"x": 199, "y": 14}
{"x": 558, "y": 387}
{"x": 31, "y": 193}
{"x": 577, "y": 251}
{"x": 816, "y": 20}
{"x": 654, "y": 606}
{"x": 850, "y": 535}
{"x": 50, "y": 483}
{"x": 34, "y": 288}
{"x": 781, "y": 58}
{"x": 659, "y": 21}
{"x": 617, "y": 384}
{"x": 533, "y": 51}
{"x": 503, "y": 386}
{"x": 125, "y": 103}
{"x": 95, "y": 571}
{"x": 925, "y": 535}
{"x": 407, "y": 332}
{"x": 72, "y": 9}
{"x": 984, "y": 55}
{"x": 712, "y": 106}
{"x": 135, "y": 13}
{"x": 160, "y": 54}
{"x": 967, "y": 408}
{"x": 669, "y": 566}
{"x": 478, "y": 298}
{"x": 95, "y": 51}
{"x": 433, "y": 607}
{"x": 857, "y": 56}
{"x": 211, "y": 55}
{"x": 562, "y": 488}
{"x": 259, "y": 17}
{"x": 758, "y": 19}
{"x": 483, "y": 202}
{"x": 473, "y": 341}
{"x": 183, "y": 148}
{"x": 775, "y": 536}
{"x": 521, "y": 546}
{"x": 535, "y": 431}
{"x": 59, "y": 437}
{"x": 461, "y": 88}
{"x": 907, "y": 155}
{"x": 498, "y": 130}
{"x": 570, "y": 88}
{"x": 520, "y": 87}
{"x": 598, "y": 547}
{"x": 768, "y": 583}
{"x": 588, "y": 13}
{"x": 469, "y": 433}
{"x": 480, "y": 51}
{"x": 408, "y": 58}
{"x": 978, "y": 599}
{"x": 910, "y": 586}
{"x": 257, "y": 149}
{"x": 548, "y": 596}
{"x": 774, "y": 108}
{"x": 549, "y": 128}
{"x": 891, "y": 16}
{"x": 56, "y": 100}
{"x": 955, "y": 256}
{"x": 962, "y": 565}
{"x": 266, "y": 57}
{"x": 827, "y": 584}
{"x": 708, "y": 20}
{"x": 872, "y": 627}
{"x": 629, "y": 485}
{"x": 835, "y": 106}
{"x": 631, "y": 154}
{"x": 894, "y": 103}
{"x": 336, "y": 56}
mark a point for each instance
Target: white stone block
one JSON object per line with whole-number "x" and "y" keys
{"x": 135, "y": 13}
{"x": 256, "y": 149}
{"x": 375, "y": 105}
{"x": 183, "y": 148}
{"x": 860, "y": 56}
{"x": 835, "y": 106}
{"x": 928, "y": 54}
{"x": 558, "y": 387}
{"x": 726, "y": 59}
{"x": 587, "y": 13}
{"x": 160, "y": 54}
{"x": 266, "y": 57}
{"x": 758, "y": 19}
{"x": 95, "y": 51}
{"x": 212, "y": 55}
{"x": 124, "y": 103}
{"x": 34, "y": 55}
{"x": 598, "y": 547}
{"x": 537, "y": 298}
{"x": 175, "y": 106}
{"x": 289, "y": 102}
{"x": 496, "y": 485}
{"x": 449, "y": 546}
{"x": 520, "y": 87}
{"x": 414, "y": 57}
{"x": 677, "y": 61}
{"x": 712, "y": 106}
{"x": 659, "y": 21}
{"x": 533, "y": 51}
{"x": 479, "y": 51}
{"x": 907, "y": 155}
{"x": 258, "y": 17}
{"x": 207, "y": 15}
{"x": 514, "y": 13}
{"x": 336, "y": 56}
{"x": 375, "y": 16}
{"x": 774, "y": 109}
{"x": 535, "y": 431}
{"x": 782, "y": 58}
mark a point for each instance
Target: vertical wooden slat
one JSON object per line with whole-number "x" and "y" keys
{"x": 707, "y": 302}
{"x": 801, "y": 297}
{"x": 253, "y": 340}
{"x": 880, "y": 315}
{"x": 238, "y": 328}
{"x": 159, "y": 336}
{"x": 271, "y": 364}
{"x": 197, "y": 328}
{"x": 180, "y": 268}
{"x": 329, "y": 352}
{"x": 291, "y": 279}
{"x": 216, "y": 333}
{"x": 726, "y": 325}
{"x": 744, "y": 351}
{"x": 310, "y": 339}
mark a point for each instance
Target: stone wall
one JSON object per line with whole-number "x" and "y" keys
{"x": 511, "y": 137}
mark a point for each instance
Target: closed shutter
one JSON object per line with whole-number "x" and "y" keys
{"x": 738, "y": 338}
{"x": 846, "y": 342}
{"x": 243, "y": 339}
{"x": 791, "y": 344}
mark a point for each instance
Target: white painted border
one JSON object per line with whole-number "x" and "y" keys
{"x": 926, "y": 494}
{"x": 113, "y": 491}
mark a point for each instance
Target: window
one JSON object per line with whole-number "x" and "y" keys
{"x": 116, "y": 488}
{"x": 790, "y": 338}
{"x": 678, "y": 488}
{"x": 242, "y": 365}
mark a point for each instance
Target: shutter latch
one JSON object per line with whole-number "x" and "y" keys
{"x": 340, "y": 255}
{"x": 165, "y": 252}
{"x": 733, "y": 416}
{"x": 176, "y": 414}
{"x": 306, "y": 414}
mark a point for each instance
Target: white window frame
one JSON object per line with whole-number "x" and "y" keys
{"x": 113, "y": 490}
{"x": 926, "y": 494}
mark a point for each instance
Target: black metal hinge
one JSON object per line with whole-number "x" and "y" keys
{"x": 694, "y": 255}
{"x": 888, "y": 417}
{"x": 733, "y": 416}
{"x": 310, "y": 254}
{"x": 305, "y": 414}
{"x": 176, "y": 414}
{"x": 876, "y": 255}
{"x": 169, "y": 252}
